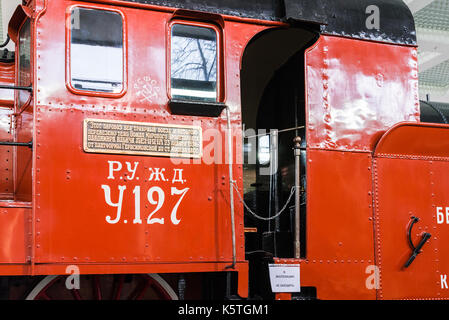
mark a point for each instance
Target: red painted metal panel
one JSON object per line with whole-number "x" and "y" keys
{"x": 339, "y": 225}
{"x": 70, "y": 185}
{"x": 73, "y": 209}
{"x": 7, "y": 77}
{"x": 415, "y": 139}
{"x": 14, "y": 234}
{"x": 439, "y": 212}
{"x": 411, "y": 179}
{"x": 356, "y": 90}
{"x": 403, "y": 191}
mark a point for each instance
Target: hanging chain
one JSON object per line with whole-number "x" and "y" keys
{"x": 292, "y": 193}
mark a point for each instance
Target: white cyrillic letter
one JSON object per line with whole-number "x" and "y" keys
{"x": 440, "y": 216}
{"x": 118, "y": 205}
{"x": 133, "y": 171}
{"x": 443, "y": 281}
{"x": 157, "y": 174}
{"x": 177, "y": 176}
{"x": 112, "y": 169}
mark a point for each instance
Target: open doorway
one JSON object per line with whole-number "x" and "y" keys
{"x": 273, "y": 114}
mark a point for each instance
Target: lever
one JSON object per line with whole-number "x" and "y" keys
{"x": 415, "y": 250}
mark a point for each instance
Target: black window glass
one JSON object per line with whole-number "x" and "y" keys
{"x": 193, "y": 63}
{"x": 96, "y": 50}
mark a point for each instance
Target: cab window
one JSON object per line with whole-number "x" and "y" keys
{"x": 97, "y": 51}
{"x": 194, "y": 63}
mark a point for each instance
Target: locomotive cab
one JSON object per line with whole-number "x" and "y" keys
{"x": 186, "y": 151}
{"x": 17, "y": 136}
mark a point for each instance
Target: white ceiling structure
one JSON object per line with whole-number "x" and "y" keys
{"x": 432, "y": 28}
{"x": 7, "y": 9}
{"x": 432, "y": 25}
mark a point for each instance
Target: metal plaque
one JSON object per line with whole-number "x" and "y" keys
{"x": 137, "y": 138}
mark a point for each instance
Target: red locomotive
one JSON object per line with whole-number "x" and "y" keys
{"x": 194, "y": 150}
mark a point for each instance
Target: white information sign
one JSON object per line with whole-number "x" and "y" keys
{"x": 285, "y": 278}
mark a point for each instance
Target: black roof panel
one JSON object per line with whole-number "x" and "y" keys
{"x": 337, "y": 17}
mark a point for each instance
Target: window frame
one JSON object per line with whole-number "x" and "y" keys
{"x": 220, "y": 61}
{"x": 68, "y": 78}
{"x": 19, "y": 107}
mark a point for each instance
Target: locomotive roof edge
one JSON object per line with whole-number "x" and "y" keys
{"x": 346, "y": 18}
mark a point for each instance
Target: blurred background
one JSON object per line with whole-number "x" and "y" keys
{"x": 432, "y": 26}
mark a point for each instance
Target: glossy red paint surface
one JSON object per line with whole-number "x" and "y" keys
{"x": 415, "y": 139}
{"x": 356, "y": 90}
{"x": 14, "y": 228}
{"x": 7, "y": 77}
{"x": 339, "y": 221}
{"x": 411, "y": 179}
{"x": 67, "y": 186}
{"x": 397, "y": 200}
{"x": 70, "y": 202}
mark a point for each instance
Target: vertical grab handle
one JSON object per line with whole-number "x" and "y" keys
{"x": 297, "y": 246}
{"x": 415, "y": 250}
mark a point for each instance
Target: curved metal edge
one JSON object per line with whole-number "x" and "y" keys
{"x": 377, "y": 150}
{"x": 20, "y": 14}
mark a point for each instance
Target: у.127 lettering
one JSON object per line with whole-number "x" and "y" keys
{"x": 155, "y": 195}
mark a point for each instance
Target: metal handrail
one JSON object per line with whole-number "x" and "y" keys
{"x": 17, "y": 144}
{"x": 2, "y": 86}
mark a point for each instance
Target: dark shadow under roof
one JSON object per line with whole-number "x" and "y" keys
{"x": 346, "y": 18}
